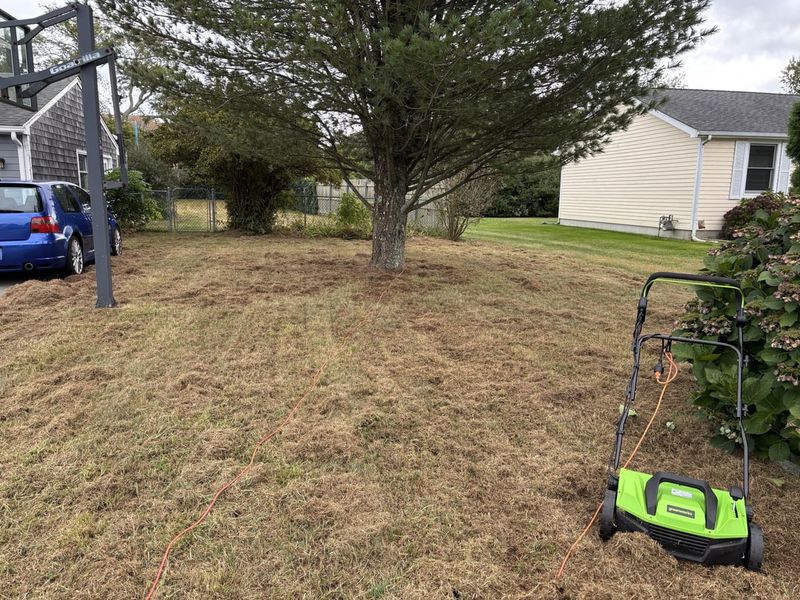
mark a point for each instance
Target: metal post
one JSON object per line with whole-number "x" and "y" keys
{"x": 213, "y": 210}
{"x": 94, "y": 160}
{"x": 171, "y": 205}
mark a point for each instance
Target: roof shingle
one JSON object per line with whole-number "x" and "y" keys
{"x": 13, "y": 116}
{"x": 731, "y": 112}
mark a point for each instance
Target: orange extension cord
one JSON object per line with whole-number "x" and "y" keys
{"x": 672, "y": 373}
{"x": 281, "y": 424}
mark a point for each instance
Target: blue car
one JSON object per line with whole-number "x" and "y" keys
{"x": 48, "y": 226}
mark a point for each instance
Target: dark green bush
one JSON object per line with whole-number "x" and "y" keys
{"x": 765, "y": 257}
{"x": 533, "y": 192}
{"x": 132, "y": 205}
{"x": 743, "y": 213}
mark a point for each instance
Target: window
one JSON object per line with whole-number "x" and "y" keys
{"x": 83, "y": 170}
{"x": 83, "y": 197}
{"x": 760, "y": 168}
{"x": 66, "y": 200}
{"x": 19, "y": 199}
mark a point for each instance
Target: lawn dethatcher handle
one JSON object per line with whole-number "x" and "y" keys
{"x": 651, "y": 493}
{"x": 690, "y": 278}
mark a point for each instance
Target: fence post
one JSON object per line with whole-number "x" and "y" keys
{"x": 213, "y": 210}
{"x": 171, "y": 205}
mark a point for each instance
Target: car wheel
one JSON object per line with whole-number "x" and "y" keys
{"x": 74, "y": 257}
{"x": 116, "y": 242}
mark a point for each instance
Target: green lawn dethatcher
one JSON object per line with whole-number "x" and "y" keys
{"x": 689, "y": 518}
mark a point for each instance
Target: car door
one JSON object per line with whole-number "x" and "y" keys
{"x": 74, "y": 216}
{"x": 85, "y": 202}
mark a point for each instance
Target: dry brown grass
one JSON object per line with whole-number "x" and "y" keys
{"x": 454, "y": 451}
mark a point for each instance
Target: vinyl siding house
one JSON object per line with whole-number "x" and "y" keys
{"x": 50, "y": 143}
{"x": 692, "y": 159}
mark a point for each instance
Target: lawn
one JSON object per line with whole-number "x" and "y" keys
{"x": 608, "y": 247}
{"x": 454, "y": 448}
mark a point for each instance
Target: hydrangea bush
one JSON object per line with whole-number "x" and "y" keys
{"x": 764, "y": 256}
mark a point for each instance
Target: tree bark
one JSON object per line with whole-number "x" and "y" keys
{"x": 389, "y": 218}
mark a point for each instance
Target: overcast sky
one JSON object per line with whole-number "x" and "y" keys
{"x": 755, "y": 40}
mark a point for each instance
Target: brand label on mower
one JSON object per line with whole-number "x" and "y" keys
{"x": 680, "y": 493}
{"x": 677, "y": 510}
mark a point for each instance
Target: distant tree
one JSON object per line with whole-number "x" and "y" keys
{"x": 531, "y": 190}
{"x": 436, "y": 87}
{"x": 251, "y": 160}
{"x": 793, "y": 146}
{"x": 60, "y": 43}
{"x": 790, "y": 76}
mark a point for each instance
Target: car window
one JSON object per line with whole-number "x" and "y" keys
{"x": 19, "y": 199}
{"x": 66, "y": 200}
{"x": 83, "y": 197}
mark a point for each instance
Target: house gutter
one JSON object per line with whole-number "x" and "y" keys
{"x": 23, "y": 166}
{"x": 698, "y": 176}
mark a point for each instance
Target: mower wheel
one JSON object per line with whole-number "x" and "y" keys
{"x": 755, "y": 548}
{"x": 607, "y": 527}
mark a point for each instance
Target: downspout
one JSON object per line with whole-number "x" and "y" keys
{"x": 23, "y": 167}
{"x": 698, "y": 176}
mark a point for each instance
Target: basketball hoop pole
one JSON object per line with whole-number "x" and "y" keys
{"x": 94, "y": 160}
{"x": 28, "y": 84}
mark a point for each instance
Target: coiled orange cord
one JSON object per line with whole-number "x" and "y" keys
{"x": 672, "y": 373}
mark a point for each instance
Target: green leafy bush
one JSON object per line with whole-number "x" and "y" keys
{"x": 352, "y": 212}
{"x": 765, "y": 257}
{"x": 533, "y": 193}
{"x": 133, "y": 206}
{"x": 743, "y": 213}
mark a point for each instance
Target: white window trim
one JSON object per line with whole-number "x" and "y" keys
{"x": 79, "y": 152}
{"x": 776, "y": 159}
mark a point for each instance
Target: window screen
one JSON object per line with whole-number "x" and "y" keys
{"x": 760, "y": 168}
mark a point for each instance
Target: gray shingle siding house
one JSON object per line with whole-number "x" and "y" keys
{"x": 693, "y": 158}
{"x": 50, "y": 144}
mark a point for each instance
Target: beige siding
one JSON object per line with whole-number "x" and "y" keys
{"x": 715, "y": 185}
{"x": 643, "y": 173}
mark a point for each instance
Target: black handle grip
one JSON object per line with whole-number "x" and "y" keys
{"x": 694, "y": 278}
{"x": 651, "y": 493}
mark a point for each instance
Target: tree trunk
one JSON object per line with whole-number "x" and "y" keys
{"x": 388, "y": 215}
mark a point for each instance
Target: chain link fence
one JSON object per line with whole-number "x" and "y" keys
{"x": 205, "y": 209}
{"x": 189, "y": 209}
{"x": 322, "y": 201}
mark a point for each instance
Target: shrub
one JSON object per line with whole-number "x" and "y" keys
{"x": 793, "y": 145}
{"x": 352, "y": 212}
{"x": 533, "y": 191}
{"x": 743, "y": 213}
{"x": 465, "y": 203}
{"x": 132, "y": 205}
{"x": 765, "y": 257}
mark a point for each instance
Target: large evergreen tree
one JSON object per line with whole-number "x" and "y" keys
{"x": 436, "y": 87}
